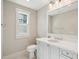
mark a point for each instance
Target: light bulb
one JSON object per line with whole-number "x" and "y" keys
{"x": 56, "y": 2}
{"x": 28, "y": 0}
{"x": 50, "y": 5}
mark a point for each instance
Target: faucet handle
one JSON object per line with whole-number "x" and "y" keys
{"x": 58, "y": 38}
{"x": 49, "y": 36}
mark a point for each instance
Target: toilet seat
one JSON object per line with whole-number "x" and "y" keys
{"x": 31, "y": 48}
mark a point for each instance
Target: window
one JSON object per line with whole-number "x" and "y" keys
{"x": 22, "y": 19}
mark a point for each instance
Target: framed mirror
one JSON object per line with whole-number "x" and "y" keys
{"x": 64, "y": 23}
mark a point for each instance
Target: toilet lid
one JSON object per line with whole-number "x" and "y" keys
{"x": 31, "y": 48}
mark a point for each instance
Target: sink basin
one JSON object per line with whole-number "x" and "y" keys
{"x": 53, "y": 41}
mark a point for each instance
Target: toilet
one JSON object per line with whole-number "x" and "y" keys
{"x": 32, "y": 51}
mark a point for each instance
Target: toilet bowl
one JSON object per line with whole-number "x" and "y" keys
{"x": 32, "y": 50}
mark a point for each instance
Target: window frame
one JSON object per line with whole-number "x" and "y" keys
{"x": 22, "y": 35}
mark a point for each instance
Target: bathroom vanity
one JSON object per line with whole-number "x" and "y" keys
{"x": 62, "y": 19}
{"x": 50, "y": 48}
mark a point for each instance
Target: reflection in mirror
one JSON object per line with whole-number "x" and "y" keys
{"x": 65, "y": 23}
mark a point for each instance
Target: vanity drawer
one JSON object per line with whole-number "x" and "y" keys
{"x": 66, "y": 54}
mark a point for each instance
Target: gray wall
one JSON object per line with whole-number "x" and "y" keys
{"x": 11, "y": 44}
{"x": 42, "y": 23}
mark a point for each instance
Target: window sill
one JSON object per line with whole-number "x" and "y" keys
{"x": 22, "y": 36}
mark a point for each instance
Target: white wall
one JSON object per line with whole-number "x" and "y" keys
{"x": 11, "y": 44}
{"x": 66, "y": 23}
{"x": 42, "y": 24}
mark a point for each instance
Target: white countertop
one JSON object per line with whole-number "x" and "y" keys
{"x": 67, "y": 45}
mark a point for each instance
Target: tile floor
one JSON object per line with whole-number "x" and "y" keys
{"x": 19, "y": 57}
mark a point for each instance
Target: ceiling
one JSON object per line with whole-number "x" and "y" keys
{"x": 33, "y": 4}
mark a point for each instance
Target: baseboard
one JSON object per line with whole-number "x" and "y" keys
{"x": 16, "y": 54}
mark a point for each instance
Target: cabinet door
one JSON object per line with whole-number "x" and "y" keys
{"x": 42, "y": 50}
{"x": 66, "y": 57}
{"x": 75, "y": 56}
{"x": 54, "y": 52}
{"x": 66, "y": 54}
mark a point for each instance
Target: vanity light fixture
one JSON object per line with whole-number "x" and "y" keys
{"x": 51, "y": 4}
{"x": 27, "y": 0}
{"x": 59, "y": 0}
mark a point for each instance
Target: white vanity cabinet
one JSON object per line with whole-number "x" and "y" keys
{"x": 46, "y": 51}
{"x": 42, "y": 50}
{"x": 53, "y": 52}
{"x": 49, "y": 51}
